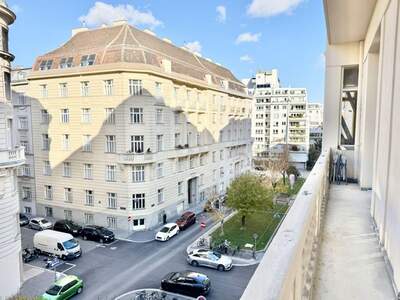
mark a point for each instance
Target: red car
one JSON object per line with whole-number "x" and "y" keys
{"x": 187, "y": 219}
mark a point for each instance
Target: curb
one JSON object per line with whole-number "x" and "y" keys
{"x": 133, "y": 241}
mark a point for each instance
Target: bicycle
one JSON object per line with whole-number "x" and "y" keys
{"x": 202, "y": 242}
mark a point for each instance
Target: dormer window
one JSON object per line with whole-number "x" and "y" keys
{"x": 46, "y": 64}
{"x": 66, "y": 62}
{"x": 87, "y": 60}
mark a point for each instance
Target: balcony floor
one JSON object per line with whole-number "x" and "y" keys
{"x": 350, "y": 265}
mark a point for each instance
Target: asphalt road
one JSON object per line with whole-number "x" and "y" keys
{"x": 111, "y": 270}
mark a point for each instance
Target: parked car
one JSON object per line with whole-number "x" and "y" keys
{"x": 64, "y": 288}
{"x": 23, "y": 219}
{"x": 211, "y": 259}
{"x": 97, "y": 233}
{"x": 187, "y": 219}
{"x": 29, "y": 255}
{"x": 40, "y": 224}
{"x": 60, "y": 244}
{"x": 186, "y": 282}
{"x": 68, "y": 226}
{"x": 167, "y": 232}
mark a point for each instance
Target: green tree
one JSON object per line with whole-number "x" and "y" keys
{"x": 247, "y": 194}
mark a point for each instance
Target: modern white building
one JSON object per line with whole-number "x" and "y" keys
{"x": 130, "y": 130}
{"x": 22, "y": 132}
{"x": 279, "y": 118}
{"x": 315, "y": 114}
{"x": 11, "y": 156}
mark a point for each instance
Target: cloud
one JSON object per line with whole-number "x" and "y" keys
{"x": 247, "y": 37}
{"x": 246, "y": 58}
{"x": 194, "y": 46}
{"x": 102, "y": 13}
{"x": 269, "y": 8}
{"x": 221, "y": 10}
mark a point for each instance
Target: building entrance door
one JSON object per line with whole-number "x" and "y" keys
{"x": 192, "y": 190}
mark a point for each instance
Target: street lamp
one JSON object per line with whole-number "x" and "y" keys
{"x": 255, "y": 237}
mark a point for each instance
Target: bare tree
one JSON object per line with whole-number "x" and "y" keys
{"x": 216, "y": 213}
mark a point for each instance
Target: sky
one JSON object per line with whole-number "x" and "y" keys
{"x": 245, "y": 36}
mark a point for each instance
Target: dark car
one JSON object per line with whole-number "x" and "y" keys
{"x": 23, "y": 219}
{"x": 29, "y": 255}
{"x": 68, "y": 226}
{"x": 186, "y": 282}
{"x": 97, "y": 233}
{"x": 187, "y": 219}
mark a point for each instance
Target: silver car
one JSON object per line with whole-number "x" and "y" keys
{"x": 211, "y": 259}
{"x": 40, "y": 224}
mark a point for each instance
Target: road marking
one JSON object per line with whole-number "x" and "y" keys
{"x": 71, "y": 266}
{"x": 113, "y": 248}
{"x": 100, "y": 246}
{"x": 112, "y": 243}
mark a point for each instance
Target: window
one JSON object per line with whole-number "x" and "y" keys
{"x": 202, "y": 160}
{"x": 110, "y": 115}
{"x": 221, "y": 154}
{"x": 159, "y": 115}
{"x": 112, "y": 200}
{"x": 87, "y": 60}
{"x": 84, "y": 88}
{"x": 177, "y": 139}
{"x": 160, "y": 195}
{"x": 159, "y": 170}
{"x": 45, "y": 64}
{"x": 111, "y": 144}
{"x": 87, "y": 143}
{"x": 68, "y": 215}
{"x": 87, "y": 171}
{"x": 49, "y": 211}
{"x": 27, "y": 210}
{"x": 135, "y": 87}
{"x": 181, "y": 164}
{"x": 138, "y": 201}
{"x": 89, "y": 198}
{"x": 64, "y": 115}
{"x": 67, "y": 194}
{"x": 158, "y": 87}
{"x": 26, "y": 170}
{"x": 48, "y": 192}
{"x": 43, "y": 90}
{"x": 46, "y": 168}
{"x": 191, "y": 162}
{"x": 177, "y": 118}
{"x": 23, "y": 123}
{"x": 221, "y": 172}
{"x": 138, "y": 222}
{"x": 86, "y": 116}
{"x": 136, "y": 115}
{"x": 65, "y": 141}
{"x": 63, "y": 89}
{"x": 26, "y": 194}
{"x": 108, "y": 87}
{"x": 201, "y": 180}
{"x": 349, "y": 105}
{"x": 214, "y": 175}
{"x": 138, "y": 173}
{"x": 159, "y": 142}
{"x": 111, "y": 173}
{"x": 202, "y": 196}
{"x": 137, "y": 143}
{"x": 112, "y": 222}
{"x": 67, "y": 169}
{"x": 45, "y": 116}
{"x": 89, "y": 219}
{"x": 180, "y": 187}
{"x": 66, "y": 62}
{"x": 214, "y": 154}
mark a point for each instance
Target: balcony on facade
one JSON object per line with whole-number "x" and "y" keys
{"x": 12, "y": 158}
{"x": 326, "y": 247}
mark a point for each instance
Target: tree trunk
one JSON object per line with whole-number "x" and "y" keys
{"x": 284, "y": 179}
{"x": 243, "y": 220}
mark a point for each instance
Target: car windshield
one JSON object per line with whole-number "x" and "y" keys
{"x": 72, "y": 243}
{"x": 53, "y": 290}
{"x": 104, "y": 230}
{"x": 164, "y": 229}
{"x": 181, "y": 219}
{"x": 44, "y": 221}
{"x": 176, "y": 276}
{"x": 218, "y": 255}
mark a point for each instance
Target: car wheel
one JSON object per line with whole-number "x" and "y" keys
{"x": 79, "y": 290}
{"x": 85, "y": 237}
{"x": 194, "y": 263}
{"x": 221, "y": 268}
{"x": 101, "y": 241}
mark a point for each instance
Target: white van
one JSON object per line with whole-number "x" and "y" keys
{"x": 57, "y": 243}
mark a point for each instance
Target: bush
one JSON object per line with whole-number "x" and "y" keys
{"x": 293, "y": 170}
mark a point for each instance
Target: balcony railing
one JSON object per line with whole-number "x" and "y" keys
{"x": 136, "y": 158}
{"x": 9, "y": 158}
{"x": 288, "y": 266}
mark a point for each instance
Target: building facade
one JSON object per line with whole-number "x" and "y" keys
{"x": 315, "y": 114}
{"x": 362, "y": 106}
{"x": 130, "y": 130}
{"x": 279, "y": 118}
{"x": 22, "y": 132}
{"x": 11, "y": 157}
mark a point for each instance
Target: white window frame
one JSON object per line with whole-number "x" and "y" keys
{"x": 160, "y": 142}
{"x": 160, "y": 195}
{"x": 89, "y": 197}
{"x": 110, "y": 115}
{"x": 136, "y": 115}
{"x": 137, "y": 143}
{"x": 112, "y": 201}
{"x": 63, "y": 89}
{"x": 135, "y": 87}
{"x": 108, "y": 87}
{"x": 65, "y": 142}
{"x": 87, "y": 143}
{"x": 46, "y": 168}
{"x": 64, "y": 115}
{"x": 84, "y": 88}
{"x": 68, "y": 194}
{"x": 86, "y": 116}
{"x": 138, "y": 173}
{"x": 160, "y": 170}
{"x": 138, "y": 201}
{"x": 111, "y": 144}
{"x": 48, "y": 192}
{"x": 111, "y": 173}
{"x": 67, "y": 169}
{"x": 88, "y": 171}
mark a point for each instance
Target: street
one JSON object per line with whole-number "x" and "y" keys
{"x": 111, "y": 270}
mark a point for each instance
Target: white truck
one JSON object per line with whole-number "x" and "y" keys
{"x": 60, "y": 244}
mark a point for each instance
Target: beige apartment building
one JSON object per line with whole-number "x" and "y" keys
{"x": 130, "y": 130}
